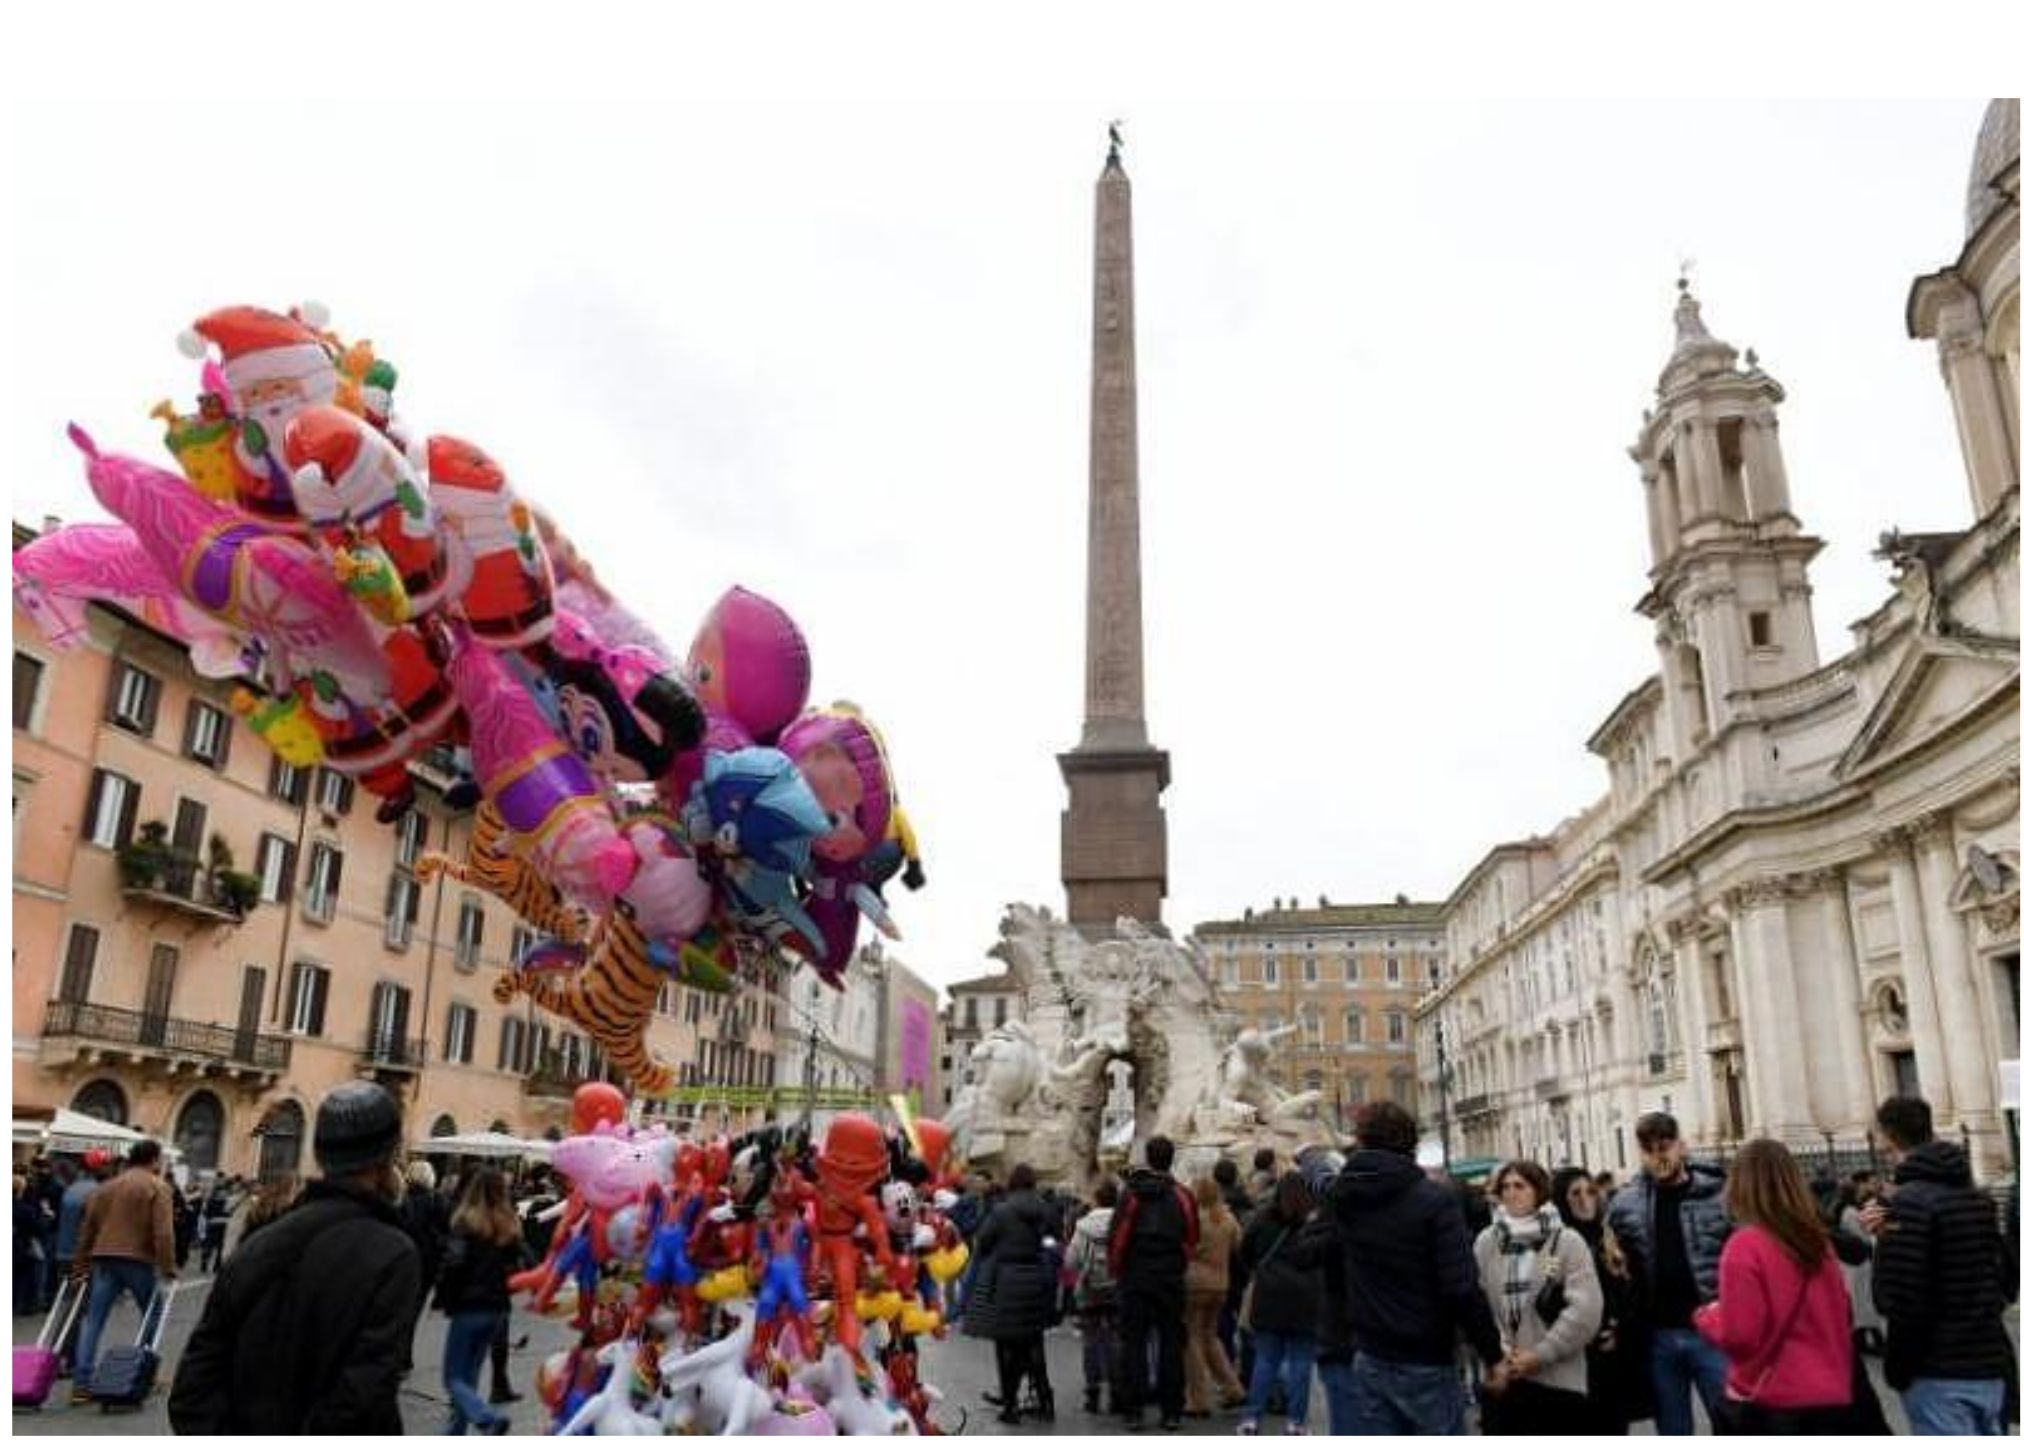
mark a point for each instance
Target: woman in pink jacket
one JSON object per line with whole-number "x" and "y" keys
{"x": 1782, "y": 1312}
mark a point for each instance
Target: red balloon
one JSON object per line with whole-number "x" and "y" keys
{"x": 596, "y": 1101}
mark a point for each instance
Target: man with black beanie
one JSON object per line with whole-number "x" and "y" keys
{"x": 306, "y": 1327}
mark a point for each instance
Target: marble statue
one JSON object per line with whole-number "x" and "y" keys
{"x": 1037, "y": 1085}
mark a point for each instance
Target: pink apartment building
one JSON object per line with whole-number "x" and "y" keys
{"x": 145, "y": 997}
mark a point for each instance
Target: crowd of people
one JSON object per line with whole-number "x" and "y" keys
{"x": 1555, "y": 1302}
{"x": 122, "y": 1229}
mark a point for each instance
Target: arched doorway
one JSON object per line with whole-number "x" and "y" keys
{"x": 104, "y": 1100}
{"x": 281, "y": 1141}
{"x": 200, "y": 1131}
{"x": 501, "y": 1126}
{"x": 445, "y": 1125}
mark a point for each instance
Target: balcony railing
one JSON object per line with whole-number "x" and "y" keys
{"x": 1473, "y": 1105}
{"x": 184, "y": 884}
{"x": 1549, "y": 1087}
{"x": 385, "y": 1052}
{"x": 110, "y": 1025}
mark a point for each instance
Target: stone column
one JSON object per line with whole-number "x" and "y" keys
{"x": 1977, "y": 390}
{"x": 1764, "y": 470}
{"x": 1969, "y": 1070}
{"x": 1663, "y": 531}
{"x": 1707, "y": 458}
{"x": 1929, "y": 1046}
{"x": 1774, "y": 993}
{"x": 1843, "y": 981}
{"x": 1693, "y": 1029}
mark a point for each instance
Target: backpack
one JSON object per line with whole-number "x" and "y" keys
{"x": 1095, "y": 1288}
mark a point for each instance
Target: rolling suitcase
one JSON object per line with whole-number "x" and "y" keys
{"x": 124, "y": 1376}
{"x": 36, "y": 1366}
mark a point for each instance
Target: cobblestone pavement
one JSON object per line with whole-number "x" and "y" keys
{"x": 962, "y": 1368}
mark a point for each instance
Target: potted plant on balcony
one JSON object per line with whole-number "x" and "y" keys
{"x": 141, "y": 861}
{"x": 235, "y": 890}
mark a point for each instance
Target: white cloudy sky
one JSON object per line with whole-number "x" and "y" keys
{"x": 1390, "y": 355}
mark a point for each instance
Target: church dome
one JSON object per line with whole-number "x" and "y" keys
{"x": 1995, "y": 151}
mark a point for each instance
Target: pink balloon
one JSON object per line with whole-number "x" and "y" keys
{"x": 750, "y": 664}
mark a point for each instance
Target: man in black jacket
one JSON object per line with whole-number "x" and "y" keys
{"x": 1151, "y": 1239}
{"x": 307, "y": 1325}
{"x": 1673, "y": 1225}
{"x": 1412, "y": 1284}
{"x": 1942, "y": 1278}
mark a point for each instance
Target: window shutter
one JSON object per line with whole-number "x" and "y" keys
{"x": 151, "y": 700}
{"x": 191, "y": 717}
{"x": 91, "y": 802}
{"x": 319, "y": 984}
{"x": 130, "y": 803}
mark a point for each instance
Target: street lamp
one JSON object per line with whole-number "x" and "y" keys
{"x": 1441, "y": 1081}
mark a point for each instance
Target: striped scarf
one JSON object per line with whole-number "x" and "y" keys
{"x": 1522, "y": 1241}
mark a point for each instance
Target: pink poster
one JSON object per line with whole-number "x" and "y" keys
{"x": 917, "y": 1043}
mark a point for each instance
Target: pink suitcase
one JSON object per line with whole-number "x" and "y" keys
{"x": 35, "y": 1367}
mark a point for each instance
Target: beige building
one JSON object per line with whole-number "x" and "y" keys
{"x": 1345, "y": 978}
{"x": 855, "y": 1048}
{"x": 1800, "y": 892}
{"x": 975, "y": 1006}
{"x": 144, "y": 997}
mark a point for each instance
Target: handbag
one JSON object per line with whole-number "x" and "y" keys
{"x": 1740, "y": 1413}
{"x": 1551, "y": 1298}
{"x": 1251, "y": 1287}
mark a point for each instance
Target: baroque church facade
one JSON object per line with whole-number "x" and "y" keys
{"x": 1800, "y": 893}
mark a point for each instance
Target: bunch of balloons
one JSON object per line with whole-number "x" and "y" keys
{"x": 757, "y": 1285}
{"x": 381, "y": 592}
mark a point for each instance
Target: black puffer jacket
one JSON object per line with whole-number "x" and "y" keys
{"x": 474, "y": 1272}
{"x": 1704, "y": 1227}
{"x": 1318, "y": 1250}
{"x": 1411, "y": 1276}
{"x": 1285, "y": 1296}
{"x": 1014, "y": 1294}
{"x": 306, "y": 1327}
{"x": 1943, "y": 1274}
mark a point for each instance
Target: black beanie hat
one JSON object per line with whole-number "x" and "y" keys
{"x": 357, "y": 1126}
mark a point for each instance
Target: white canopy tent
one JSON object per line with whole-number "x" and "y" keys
{"x": 73, "y": 1131}
{"x": 484, "y": 1144}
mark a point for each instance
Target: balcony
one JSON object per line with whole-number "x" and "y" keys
{"x": 1478, "y": 1105}
{"x": 76, "y": 1032}
{"x": 1550, "y": 1088}
{"x": 1662, "y": 1063}
{"x": 385, "y": 1052}
{"x": 180, "y": 883}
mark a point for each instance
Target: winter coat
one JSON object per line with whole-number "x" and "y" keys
{"x": 1014, "y": 1293}
{"x": 1942, "y": 1273}
{"x": 307, "y": 1327}
{"x": 1317, "y": 1250}
{"x": 1154, "y": 1233}
{"x": 1808, "y": 1364}
{"x": 472, "y": 1277}
{"x": 1285, "y": 1297}
{"x": 133, "y": 1218}
{"x": 1704, "y": 1227}
{"x": 1208, "y": 1269}
{"x": 425, "y": 1216}
{"x": 1563, "y": 1347}
{"x": 1411, "y": 1272}
{"x": 70, "y": 1216}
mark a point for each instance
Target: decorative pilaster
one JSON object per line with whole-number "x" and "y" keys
{"x": 1929, "y": 1046}
{"x": 1772, "y": 991}
{"x": 1842, "y": 979}
{"x": 1969, "y": 1070}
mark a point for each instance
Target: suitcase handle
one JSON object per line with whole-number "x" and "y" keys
{"x": 57, "y": 1313}
{"x": 166, "y": 1295}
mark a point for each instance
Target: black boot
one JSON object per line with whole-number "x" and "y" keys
{"x": 1092, "y": 1400}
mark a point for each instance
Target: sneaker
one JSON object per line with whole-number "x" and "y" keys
{"x": 499, "y": 1427}
{"x": 1170, "y": 1425}
{"x": 79, "y": 1396}
{"x": 1296, "y": 1430}
{"x": 1248, "y": 1428}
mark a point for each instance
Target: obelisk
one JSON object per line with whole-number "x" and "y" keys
{"x": 1113, "y": 833}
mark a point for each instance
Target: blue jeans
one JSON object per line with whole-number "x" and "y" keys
{"x": 1404, "y": 1398}
{"x": 111, "y": 1277}
{"x": 1099, "y": 1350}
{"x": 1684, "y": 1363}
{"x": 464, "y": 1349}
{"x": 1955, "y": 1407}
{"x": 1279, "y": 1353}
{"x": 1338, "y": 1387}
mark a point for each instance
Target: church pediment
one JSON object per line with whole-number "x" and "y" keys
{"x": 1939, "y": 680}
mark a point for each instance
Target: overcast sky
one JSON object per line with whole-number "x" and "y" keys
{"x": 1390, "y": 356}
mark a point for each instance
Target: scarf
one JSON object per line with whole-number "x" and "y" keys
{"x": 1521, "y": 1242}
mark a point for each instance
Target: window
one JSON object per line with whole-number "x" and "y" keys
{"x": 28, "y": 671}
{"x": 1760, "y": 630}
{"x": 998, "y": 1004}
{"x": 308, "y": 991}
{"x": 461, "y": 1033}
{"x": 523, "y": 940}
{"x": 207, "y": 734}
{"x": 1310, "y": 1026}
{"x": 333, "y": 792}
{"x": 1391, "y": 969}
{"x": 1351, "y": 971}
{"x": 80, "y": 954}
{"x": 514, "y": 1040}
{"x": 135, "y": 697}
{"x": 664, "y": 998}
{"x": 1395, "y": 1027}
{"x": 109, "y": 814}
{"x": 1271, "y": 970}
{"x": 1352, "y": 1025}
{"x": 970, "y": 1013}
{"x": 470, "y": 932}
{"x": 186, "y": 836}
{"x": 326, "y": 872}
{"x": 274, "y": 863}
{"x": 1309, "y": 973}
{"x": 413, "y": 838}
{"x": 285, "y": 781}
{"x": 404, "y": 907}
{"x": 1359, "y": 1090}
